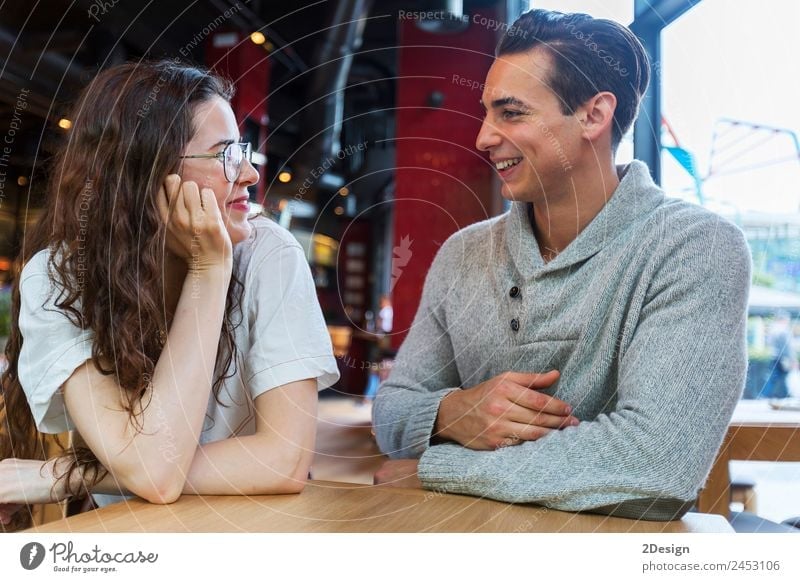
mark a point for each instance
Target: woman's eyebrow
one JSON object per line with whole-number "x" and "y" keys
{"x": 222, "y": 142}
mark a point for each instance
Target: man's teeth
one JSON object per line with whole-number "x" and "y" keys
{"x": 507, "y": 163}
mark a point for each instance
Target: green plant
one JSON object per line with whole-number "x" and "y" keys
{"x": 763, "y": 279}
{"x": 759, "y": 354}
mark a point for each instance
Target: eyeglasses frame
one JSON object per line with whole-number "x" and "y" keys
{"x": 247, "y": 151}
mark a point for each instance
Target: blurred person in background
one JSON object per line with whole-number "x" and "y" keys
{"x": 784, "y": 357}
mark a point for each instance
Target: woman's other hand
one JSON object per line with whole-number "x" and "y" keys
{"x": 28, "y": 481}
{"x": 7, "y": 511}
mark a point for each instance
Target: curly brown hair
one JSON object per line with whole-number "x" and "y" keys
{"x": 101, "y": 223}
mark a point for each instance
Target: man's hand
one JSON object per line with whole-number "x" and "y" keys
{"x": 503, "y": 411}
{"x": 401, "y": 473}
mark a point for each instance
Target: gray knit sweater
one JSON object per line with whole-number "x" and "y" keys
{"x": 644, "y": 315}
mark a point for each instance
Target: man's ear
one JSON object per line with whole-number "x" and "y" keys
{"x": 597, "y": 115}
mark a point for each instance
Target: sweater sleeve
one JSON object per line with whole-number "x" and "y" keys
{"x": 424, "y": 372}
{"x": 680, "y": 377}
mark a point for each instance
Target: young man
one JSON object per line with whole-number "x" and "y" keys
{"x": 585, "y": 350}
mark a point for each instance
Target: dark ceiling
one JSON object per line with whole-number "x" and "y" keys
{"x": 50, "y": 49}
{"x": 53, "y": 48}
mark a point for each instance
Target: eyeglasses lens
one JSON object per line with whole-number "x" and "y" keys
{"x": 233, "y": 162}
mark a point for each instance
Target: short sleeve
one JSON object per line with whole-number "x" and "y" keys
{"x": 288, "y": 337}
{"x": 52, "y": 347}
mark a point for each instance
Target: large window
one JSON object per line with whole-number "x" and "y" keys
{"x": 730, "y": 92}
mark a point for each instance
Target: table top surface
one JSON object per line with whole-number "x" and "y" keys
{"x": 760, "y": 413}
{"x": 344, "y": 507}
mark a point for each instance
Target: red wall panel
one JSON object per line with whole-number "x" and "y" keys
{"x": 235, "y": 56}
{"x": 443, "y": 182}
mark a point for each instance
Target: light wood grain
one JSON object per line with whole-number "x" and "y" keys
{"x": 756, "y": 433}
{"x": 340, "y": 507}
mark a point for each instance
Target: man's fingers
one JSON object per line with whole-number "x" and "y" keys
{"x": 525, "y": 432}
{"x": 397, "y": 473}
{"x": 538, "y": 402}
{"x": 533, "y": 379}
{"x": 530, "y": 417}
{"x": 520, "y": 433}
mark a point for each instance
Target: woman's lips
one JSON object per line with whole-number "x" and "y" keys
{"x": 240, "y": 204}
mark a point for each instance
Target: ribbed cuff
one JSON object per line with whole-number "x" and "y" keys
{"x": 421, "y": 425}
{"x": 650, "y": 509}
{"x": 448, "y": 468}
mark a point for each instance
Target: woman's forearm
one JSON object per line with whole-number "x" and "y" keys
{"x": 151, "y": 453}
{"x": 182, "y": 381}
{"x": 249, "y": 465}
{"x": 276, "y": 459}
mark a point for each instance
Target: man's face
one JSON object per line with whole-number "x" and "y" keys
{"x": 531, "y": 143}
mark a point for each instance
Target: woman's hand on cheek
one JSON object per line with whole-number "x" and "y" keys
{"x": 195, "y": 228}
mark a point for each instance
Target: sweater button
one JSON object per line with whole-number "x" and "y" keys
{"x": 514, "y": 291}
{"x": 515, "y": 324}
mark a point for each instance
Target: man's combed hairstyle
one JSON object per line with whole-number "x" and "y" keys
{"x": 589, "y": 55}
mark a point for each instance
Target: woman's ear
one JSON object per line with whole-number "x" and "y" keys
{"x": 596, "y": 116}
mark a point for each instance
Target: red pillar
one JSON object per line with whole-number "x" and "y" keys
{"x": 443, "y": 183}
{"x": 233, "y": 55}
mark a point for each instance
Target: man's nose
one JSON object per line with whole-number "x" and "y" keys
{"x": 488, "y": 136}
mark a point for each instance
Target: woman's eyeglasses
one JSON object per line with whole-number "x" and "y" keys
{"x": 232, "y": 158}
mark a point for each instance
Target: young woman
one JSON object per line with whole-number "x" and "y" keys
{"x": 179, "y": 339}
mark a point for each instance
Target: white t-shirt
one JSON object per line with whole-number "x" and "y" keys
{"x": 282, "y": 337}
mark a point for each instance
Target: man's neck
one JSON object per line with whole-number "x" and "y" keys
{"x": 562, "y": 218}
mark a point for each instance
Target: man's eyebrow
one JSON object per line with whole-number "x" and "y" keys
{"x": 507, "y": 101}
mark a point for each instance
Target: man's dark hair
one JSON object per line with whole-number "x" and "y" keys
{"x": 589, "y": 55}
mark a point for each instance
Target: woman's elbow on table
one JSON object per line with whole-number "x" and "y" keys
{"x": 281, "y": 474}
{"x": 290, "y": 486}
{"x": 161, "y": 497}
{"x": 161, "y": 488}
{"x": 295, "y": 480}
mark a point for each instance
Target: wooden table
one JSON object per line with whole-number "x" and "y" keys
{"x": 343, "y": 507}
{"x": 756, "y": 433}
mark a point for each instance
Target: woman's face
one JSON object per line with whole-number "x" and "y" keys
{"x": 216, "y": 127}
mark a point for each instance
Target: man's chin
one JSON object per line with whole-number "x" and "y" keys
{"x": 514, "y": 194}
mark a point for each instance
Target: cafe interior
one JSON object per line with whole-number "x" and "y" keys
{"x": 362, "y": 117}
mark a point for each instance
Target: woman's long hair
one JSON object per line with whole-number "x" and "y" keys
{"x": 130, "y": 126}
